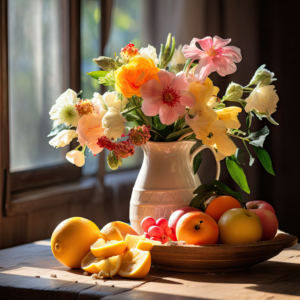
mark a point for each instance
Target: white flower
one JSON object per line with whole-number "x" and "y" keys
{"x": 108, "y": 100}
{"x": 178, "y": 57}
{"x": 64, "y": 111}
{"x": 149, "y": 52}
{"x": 76, "y": 157}
{"x": 263, "y": 99}
{"x": 63, "y": 138}
{"x": 113, "y": 123}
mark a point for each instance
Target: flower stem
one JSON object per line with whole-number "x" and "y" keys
{"x": 83, "y": 149}
{"x": 241, "y": 138}
{"x": 77, "y": 147}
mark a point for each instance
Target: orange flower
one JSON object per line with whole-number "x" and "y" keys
{"x": 130, "y": 77}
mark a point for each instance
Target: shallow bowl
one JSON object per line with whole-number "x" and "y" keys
{"x": 219, "y": 258}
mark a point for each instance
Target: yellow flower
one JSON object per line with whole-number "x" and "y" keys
{"x": 130, "y": 77}
{"x": 214, "y": 100}
{"x": 229, "y": 116}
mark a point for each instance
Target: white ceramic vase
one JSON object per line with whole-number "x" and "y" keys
{"x": 166, "y": 180}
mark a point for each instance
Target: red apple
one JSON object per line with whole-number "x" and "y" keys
{"x": 177, "y": 214}
{"x": 269, "y": 223}
{"x": 260, "y": 205}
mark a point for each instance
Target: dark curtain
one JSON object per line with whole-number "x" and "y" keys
{"x": 267, "y": 33}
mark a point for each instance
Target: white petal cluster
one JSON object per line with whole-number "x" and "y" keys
{"x": 108, "y": 100}
{"x": 149, "y": 52}
{"x": 64, "y": 111}
{"x": 113, "y": 123}
{"x": 263, "y": 99}
{"x": 178, "y": 57}
{"x": 63, "y": 138}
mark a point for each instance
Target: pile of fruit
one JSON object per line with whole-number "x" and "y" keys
{"x": 117, "y": 249}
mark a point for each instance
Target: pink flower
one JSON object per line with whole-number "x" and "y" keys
{"x": 167, "y": 97}
{"x": 215, "y": 56}
{"x": 104, "y": 142}
{"x": 139, "y": 135}
{"x": 124, "y": 149}
{"x": 89, "y": 130}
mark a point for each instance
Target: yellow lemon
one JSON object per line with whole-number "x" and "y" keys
{"x": 132, "y": 240}
{"x": 135, "y": 264}
{"x": 117, "y": 231}
{"x": 71, "y": 240}
{"x": 108, "y": 248}
{"x": 146, "y": 245}
{"x": 104, "y": 267}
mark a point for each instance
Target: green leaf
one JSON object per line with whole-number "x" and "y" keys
{"x": 198, "y": 158}
{"x": 188, "y": 61}
{"x": 129, "y": 117}
{"x": 240, "y": 156}
{"x": 220, "y": 106}
{"x": 177, "y": 134}
{"x": 237, "y": 173}
{"x": 259, "y": 137}
{"x": 227, "y": 191}
{"x": 265, "y": 159}
{"x": 158, "y": 124}
{"x": 204, "y": 188}
{"x": 271, "y": 120}
{"x": 57, "y": 129}
{"x": 198, "y": 201}
{"x": 97, "y": 74}
{"x": 251, "y": 158}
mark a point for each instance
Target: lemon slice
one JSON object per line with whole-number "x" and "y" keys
{"x": 117, "y": 231}
{"x": 135, "y": 264}
{"x": 132, "y": 240}
{"x": 104, "y": 267}
{"x": 146, "y": 245}
{"x": 108, "y": 248}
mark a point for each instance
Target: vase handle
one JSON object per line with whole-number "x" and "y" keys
{"x": 218, "y": 166}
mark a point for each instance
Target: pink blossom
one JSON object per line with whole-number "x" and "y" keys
{"x": 139, "y": 135}
{"x": 167, "y": 97}
{"x": 104, "y": 142}
{"x": 89, "y": 130}
{"x": 214, "y": 57}
{"x": 124, "y": 149}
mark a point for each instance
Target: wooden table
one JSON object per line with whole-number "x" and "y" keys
{"x": 25, "y": 273}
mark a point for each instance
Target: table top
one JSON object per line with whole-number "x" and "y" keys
{"x": 31, "y": 272}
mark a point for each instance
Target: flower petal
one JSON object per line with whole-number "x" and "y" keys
{"x": 167, "y": 115}
{"x": 192, "y": 52}
{"x": 165, "y": 78}
{"x": 187, "y": 98}
{"x": 205, "y": 43}
{"x": 179, "y": 109}
{"x": 219, "y": 42}
{"x": 233, "y": 53}
{"x": 180, "y": 82}
{"x": 224, "y": 65}
{"x": 204, "y": 68}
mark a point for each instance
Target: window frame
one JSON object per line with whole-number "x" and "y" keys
{"x": 16, "y": 187}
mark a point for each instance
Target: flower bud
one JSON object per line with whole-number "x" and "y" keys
{"x": 234, "y": 91}
{"x": 113, "y": 161}
{"x": 106, "y": 63}
{"x": 166, "y": 53}
{"x": 262, "y": 77}
{"x": 76, "y": 157}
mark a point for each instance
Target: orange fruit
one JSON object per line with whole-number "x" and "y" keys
{"x": 197, "y": 228}
{"x": 71, "y": 240}
{"x": 147, "y": 245}
{"x": 219, "y": 205}
{"x": 108, "y": 248}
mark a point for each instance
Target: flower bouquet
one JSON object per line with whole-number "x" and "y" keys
{"x": 165, "y": 98}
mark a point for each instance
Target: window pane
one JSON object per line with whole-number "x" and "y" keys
{"x": 125, "y": 28}
{"x": 90, "y": 48}
{"x": 37, "y": 76}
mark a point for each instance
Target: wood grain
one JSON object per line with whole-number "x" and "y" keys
{"x": 278, "y": 278}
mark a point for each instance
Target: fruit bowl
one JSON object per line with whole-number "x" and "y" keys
{"x": 219, "y": 258}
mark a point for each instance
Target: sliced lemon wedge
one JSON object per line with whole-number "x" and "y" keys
{"x": 104, "y": 267}
{"x": 108, "y": 248}
{"x": 135, "y": 264}
{"x": 146, "y": 245}
{"x": 132, "y": 240}
{"x": 117, "y": 231}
